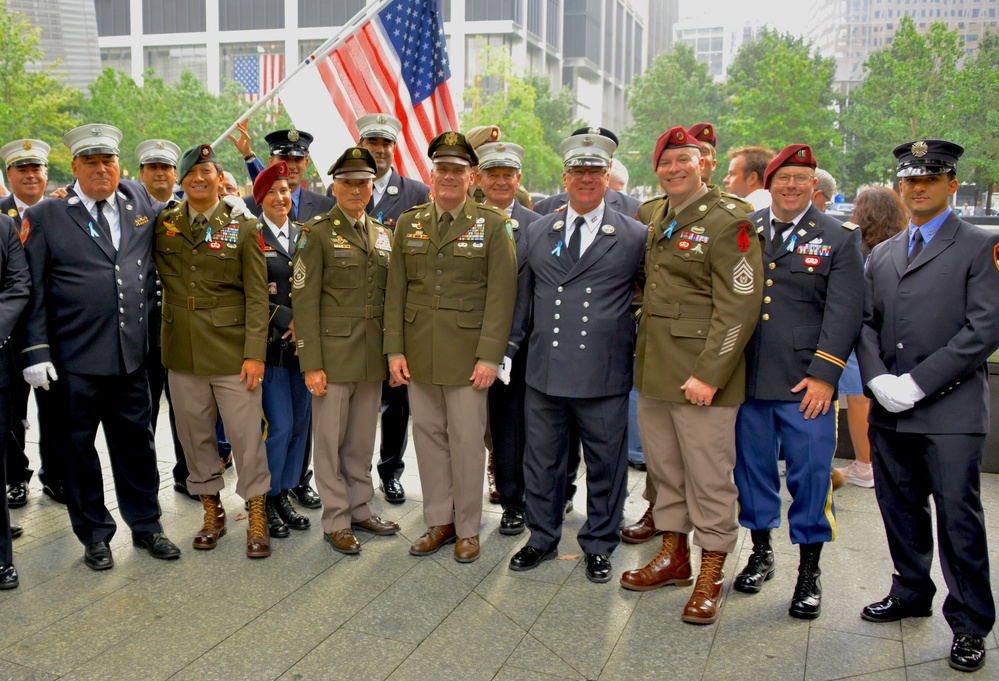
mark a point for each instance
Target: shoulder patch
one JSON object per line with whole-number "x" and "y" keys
{"x": 303, "y": 237}
{"x": 851, "y": 225}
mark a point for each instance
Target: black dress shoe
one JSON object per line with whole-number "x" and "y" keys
{"x": 393, "y": 491}
{"x": 292, "y": 518}
{"x": 8, "y": 580}
{"x": 17, "y": 495}
{"x": 892, "y": 609}
{"x": 158, "y": 546}
{"x": 275, "y": 526}
{"x": 598, "y": 568}
{"x": 512, "y": 521}
{"x": 306, "y": 496}
{"x": 568, "y": 506}
{"x": 16, "y": 531}
{"x": 55, "y": 492}
{"x": 637, "y": 465}
{"x": 98, "y": 556}
{"x": 967, "y": 654}
{"x": 529, "y": 558}
{"x": 182, "y": 488}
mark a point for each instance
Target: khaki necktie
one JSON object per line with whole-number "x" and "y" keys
{"x": 444, "y": 226}
{"x": 198, "y": 229}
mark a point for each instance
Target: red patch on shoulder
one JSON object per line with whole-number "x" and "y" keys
{"x": 743, "y": 238}
{"x": 26, "y": 229}
{"x": 995, "y": 254}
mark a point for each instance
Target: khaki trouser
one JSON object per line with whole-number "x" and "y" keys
{"x": 690, "y": 452}
{"x": 449, "y": 424}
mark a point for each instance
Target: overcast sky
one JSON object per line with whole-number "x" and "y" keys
{"x": 780, "y": 14}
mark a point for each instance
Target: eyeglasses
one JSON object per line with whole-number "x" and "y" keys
{"x": 583, "y": 172}
{"x": 784, "y": 180}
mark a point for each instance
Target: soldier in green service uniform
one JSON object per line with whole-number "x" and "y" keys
{"x": 702, "y": 300}
{"x": 339, "y": 338}
{"x": 704, "y": 135}
{"x": 452, "y": 287}
{"x": 215, "y": 316}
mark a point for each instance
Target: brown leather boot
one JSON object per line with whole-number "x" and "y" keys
{"x": 214, "y": 526}
{"x": 671, "y": 566}
{"x": 705, "y": 604}
{"x": 258, "y": 540}
{"x": 642, "y": 531}
{"x": 494, "y": 495}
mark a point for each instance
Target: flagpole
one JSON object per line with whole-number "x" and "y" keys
{"x": 333, "y": 43}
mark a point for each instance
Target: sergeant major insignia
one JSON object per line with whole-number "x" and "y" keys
{"x": 742, "y": 278}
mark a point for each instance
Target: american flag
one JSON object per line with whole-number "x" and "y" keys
{"x": 396, "y": 63}
{"x": 258, "y": 74}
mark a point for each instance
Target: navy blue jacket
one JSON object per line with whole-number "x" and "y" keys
{"x": 813, "y": 302}
{"x": 90, "y": 304}
{"x": 583, "y": 341}
{"x": 937, "y": 320}
{"x": 14, "y": 283}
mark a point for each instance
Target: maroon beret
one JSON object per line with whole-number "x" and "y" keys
{"x": 671, "y": 139}
{"x": 266, "y": 178}
{"x": 703, "y": 132}
{"x": 791, "y": 155}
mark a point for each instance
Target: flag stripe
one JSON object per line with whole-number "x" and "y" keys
{"x": 395, "y": 63}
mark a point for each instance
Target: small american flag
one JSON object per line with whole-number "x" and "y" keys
{"x": 396, "y": 63}
{"x": 258, "y": 74}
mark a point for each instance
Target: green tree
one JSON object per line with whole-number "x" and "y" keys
{"x": 185, "y": 113}
{"x": 911, "y": 90}
{"x": 504, "y": 99}
{"x": 781, "y": 93}
{"x": 554, "y": 109}
{"x": 677, "y": 89}
{"x": 979, "y": 88}
{"x": 33, "y": 103}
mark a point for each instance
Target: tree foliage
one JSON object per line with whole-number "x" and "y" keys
{"x": 979, "y": 87}
{"x": 781, "y": 93}
{"x": 33, "y": 103}
{"x": 185, "y": 113}
{"x": 513, "y": 105}
{"x": 675, "y": 90}
{"x": 911, "y": 90}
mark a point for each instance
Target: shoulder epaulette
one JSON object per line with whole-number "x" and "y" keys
{"x": 851, "y": 225}
{"x": 653, "y": 200}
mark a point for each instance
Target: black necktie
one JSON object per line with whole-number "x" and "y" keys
{"x": 576, "y": 238}
{"x": 917, "y": 245}
{"x": 102, "y": 223}
{"x": 293, "y": 213}
{"x": 778, "y": 236}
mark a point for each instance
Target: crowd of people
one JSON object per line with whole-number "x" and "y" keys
{"x": 715, "y": 328}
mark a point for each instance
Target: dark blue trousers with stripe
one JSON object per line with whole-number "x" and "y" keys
{"x": 765, "y": 428}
